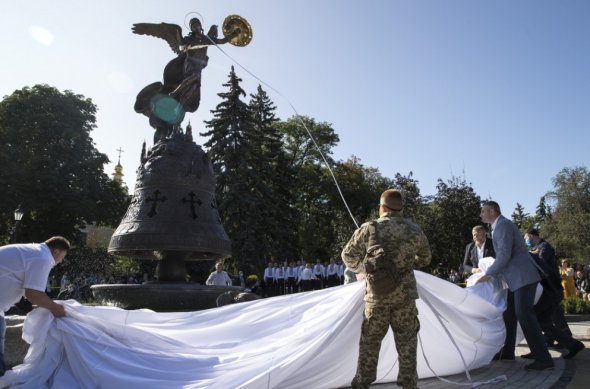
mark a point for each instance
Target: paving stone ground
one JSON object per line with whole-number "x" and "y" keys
{"x": 570, "y": 374}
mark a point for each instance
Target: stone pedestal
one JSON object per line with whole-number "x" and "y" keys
{"x": 160, "y": 296}
{"x": 15, "y": 348}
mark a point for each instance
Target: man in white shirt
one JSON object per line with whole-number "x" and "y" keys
{"x": 291, "y": 274}
{"x": 219, "y": 277}
{"x": 24, "y": 270}
{"x": 481, "y": 247}
{"x": 269, "y": 280}
{"x": 279, "y": 286}
{"x": 305, "y": 278}
{"x": 318, "y": 273}
{"x": 333, "y": 279}
{"x": 300, "y": 265}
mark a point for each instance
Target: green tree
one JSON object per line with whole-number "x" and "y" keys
{"x": 234, "y": 148}
{"x": 448, "y": 219}
{"x": 413, "y": 201}
{"x": 519, "y": 216}
{"x": 278, "y": 217}
{"x": 313, "y": 183}
{"x": 51, "y": 166}
{"x": 542, "y": 210}
{"x": 361, "y": 187}
{"x": 84, "y": 261}
{"x": 300, "y": 148}
{"x": 568, "y": 227}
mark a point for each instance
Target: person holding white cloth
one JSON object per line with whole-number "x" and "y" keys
{"x": 24, "y": 270}
{"x": 515, "y": 264}
{"x": 495, "y": 290}
{"x": 481, "y": 247}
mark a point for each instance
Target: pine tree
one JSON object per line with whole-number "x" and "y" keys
{"x": 541, "y": 213}
{"x": 519, "y": 216}
{"x": 233, "y": 148}
{"x": 278, "y": 215}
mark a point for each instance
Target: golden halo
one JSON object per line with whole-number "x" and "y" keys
{"x": 186, "y": 19}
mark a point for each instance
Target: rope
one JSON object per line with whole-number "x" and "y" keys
{"x": 300, "y": 121}
{"x": 472, "y": 384}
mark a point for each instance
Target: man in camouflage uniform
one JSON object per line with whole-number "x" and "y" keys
{"x": 406, "y": 245}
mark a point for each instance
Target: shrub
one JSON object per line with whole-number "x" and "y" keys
{"x": 575, "y": 305}
{"x": 568, "y": 305}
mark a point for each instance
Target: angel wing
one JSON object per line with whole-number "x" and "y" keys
{"x": 171, "y": 33}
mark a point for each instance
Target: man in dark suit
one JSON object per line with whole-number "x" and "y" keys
{"x": 514, "y": 263}
{"x": 476, "y": 250}
{"x": 548, "y": 308}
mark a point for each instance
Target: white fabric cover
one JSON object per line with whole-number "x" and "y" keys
{"x": 494, "y": 290}
{"x": 304, "y": 340}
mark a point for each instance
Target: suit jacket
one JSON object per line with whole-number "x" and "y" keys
{"x": 470, "y": 260}
{"x": 513, "y": 260}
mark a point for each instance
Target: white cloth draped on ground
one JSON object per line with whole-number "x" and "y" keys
{"x": 494, "y": 290}
{"x": 304, "y": 340}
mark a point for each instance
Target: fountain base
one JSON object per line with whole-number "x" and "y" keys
{"x": 161, "y": 296}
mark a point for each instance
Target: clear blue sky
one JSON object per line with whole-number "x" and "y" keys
{"x": 495, "y": 91}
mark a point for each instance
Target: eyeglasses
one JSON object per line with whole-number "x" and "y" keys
{"x": 391, "y": 209}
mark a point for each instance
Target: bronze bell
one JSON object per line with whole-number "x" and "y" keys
{"x": 173, "y": 214}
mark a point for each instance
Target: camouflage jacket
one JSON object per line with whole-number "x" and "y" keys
{"x": 403, "y": 241}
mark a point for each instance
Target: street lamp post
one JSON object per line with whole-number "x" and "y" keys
{"x": 18, "y": 216}
{"x": 23, "y": 306}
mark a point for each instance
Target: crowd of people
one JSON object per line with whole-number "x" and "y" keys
{"x": 386, "y": 250}
{"x": 300, "y": 276}
{"x": 286, "y": 278}
{"x": 278, "y": 279}
{"x": 574, "y": 277}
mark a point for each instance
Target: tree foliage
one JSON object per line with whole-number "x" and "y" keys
{"x": 278, "y": 198}
{"x": 280, "y": 219}
{"x": 312, "y": 186}
{"x": 361, "y": 187}
{"x": 234, "y": 146}
{"x": 542, "y": 210}
{"x": 85, "y": 261}
{"x": 519, "y": 216}
{"x": 413, "y": 201}
{"x": 300, "y": 148}
{"x": 568, "y": 225}
{"x": 275, "y": 191}
{"x": 447, "y": 220}
{"x": 51, "y": 166}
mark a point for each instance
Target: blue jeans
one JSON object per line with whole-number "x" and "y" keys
{"x": 2, "y": 336}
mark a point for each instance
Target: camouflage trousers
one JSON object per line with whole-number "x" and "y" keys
{"x": 402, "y": 316}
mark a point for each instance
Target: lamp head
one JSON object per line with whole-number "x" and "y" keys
{"x": 19, "y": 213}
